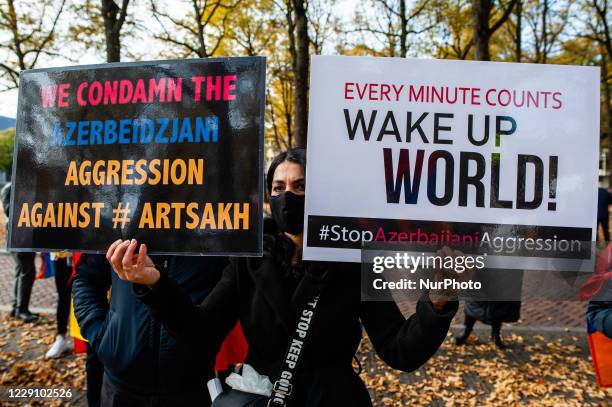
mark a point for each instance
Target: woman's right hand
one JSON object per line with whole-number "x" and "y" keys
{"x": 132, "y": 267}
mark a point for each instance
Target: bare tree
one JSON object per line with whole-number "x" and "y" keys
{"x": 104, "y": 25}
{"x": 598, "y": 25}
{"x": 514, "y": 28}
{"x": 28, "y": 30}
{"x": 114, "y": 18}
{"x": 518, "y": 43}
{"x": 547, "y": 22}
{"x": 254, "y": 27}
{"x": 392, "y": 23}
{"x": 277, "y": 138}
{"x": 298, "y": 45}
{"x": 201, "y": 31}
{"x": 281, "y": 70}
{"x": 323, "y": 25}
{"x": 302, "y": 66}
{"x": 482, "y": 11}
{"x": 452, "y": 37}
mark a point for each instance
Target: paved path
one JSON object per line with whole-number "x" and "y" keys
{"x": 536, "y": 315}
{"x": 44, "y": 295}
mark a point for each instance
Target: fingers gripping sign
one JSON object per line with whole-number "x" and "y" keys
{"x": 109, "y": 256}
{"x": 130, "y": 266}
{"x": 439, "y": 297}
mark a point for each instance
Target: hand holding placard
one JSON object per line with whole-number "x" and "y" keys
{"x": 137, "y": 268}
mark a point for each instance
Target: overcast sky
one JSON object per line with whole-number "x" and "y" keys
{"x": 345, "y": 9}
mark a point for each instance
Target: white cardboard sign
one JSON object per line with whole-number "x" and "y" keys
{"x": 427, "y": 150}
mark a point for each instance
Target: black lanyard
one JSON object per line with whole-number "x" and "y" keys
{"x": 283, "y": 386}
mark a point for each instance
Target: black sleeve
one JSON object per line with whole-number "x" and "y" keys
{"x": 599, "y": 314}
{"x": 205, "y": 324}
{"x": 406, "y": 344}
{"x": 90, "y": 293}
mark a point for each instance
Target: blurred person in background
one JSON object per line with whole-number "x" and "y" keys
{"x": 599, "y": 315}
{"x": 599, "y": 328}
{"x": 604, "y": 199}
{"x": 24, "y": 270}
{"x": 493, "y": 313}
{"x": 62, "y": 270}
{"x": 143, "y": 364}
{"x": 500, "y": 304}
{"x": 598, "y": 289}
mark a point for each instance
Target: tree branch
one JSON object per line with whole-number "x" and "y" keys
{"x": 503, "y": 18}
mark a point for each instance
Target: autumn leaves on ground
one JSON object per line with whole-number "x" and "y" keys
{"x": 554, "y": 370}
{"x": 536, "y": 371}
{"x": 22, "y": 363}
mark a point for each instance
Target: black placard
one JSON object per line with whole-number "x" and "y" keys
{"x": 178, "y": 143}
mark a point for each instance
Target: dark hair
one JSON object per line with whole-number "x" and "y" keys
{"x": 294, "y": 155}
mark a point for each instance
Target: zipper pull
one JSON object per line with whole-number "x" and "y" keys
{"x": 166, "y": 264}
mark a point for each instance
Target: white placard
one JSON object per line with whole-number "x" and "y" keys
{"x": 377, "y": 124}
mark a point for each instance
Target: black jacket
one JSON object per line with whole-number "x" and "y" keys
{"x": 599, "y": 315}
{"x": 494, "y": 312}
{"x": 604, "y": 199}
{"x": 503, "y": 286}
{"x": 138, "y": 354}
{"x": 265, "y": 297}
{"x": 599, "y": 312}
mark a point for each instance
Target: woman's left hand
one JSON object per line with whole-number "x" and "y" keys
{"x": 439, "y": 298}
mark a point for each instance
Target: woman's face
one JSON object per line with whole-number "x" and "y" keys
{"x": 288, "y": 176}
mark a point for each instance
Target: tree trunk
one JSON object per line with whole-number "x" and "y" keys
{"x": 544, "y": 32}
{"x": 291, "y": 32}
{"x": 481, "y": 12}
{"x": 605, "y": 47}
{"x": 607, "y": 93}
{"x": 201, "y": 40}
{"x": 110, "y": 10}
{"x": 519, "y": 31}
{"x": 301, "y": 73}
{"x": 403, "y": 29}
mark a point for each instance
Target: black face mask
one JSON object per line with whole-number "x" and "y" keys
{"x": 288, "y": 212}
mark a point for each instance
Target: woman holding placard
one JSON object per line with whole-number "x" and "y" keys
{"x": 302, "y": 319}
